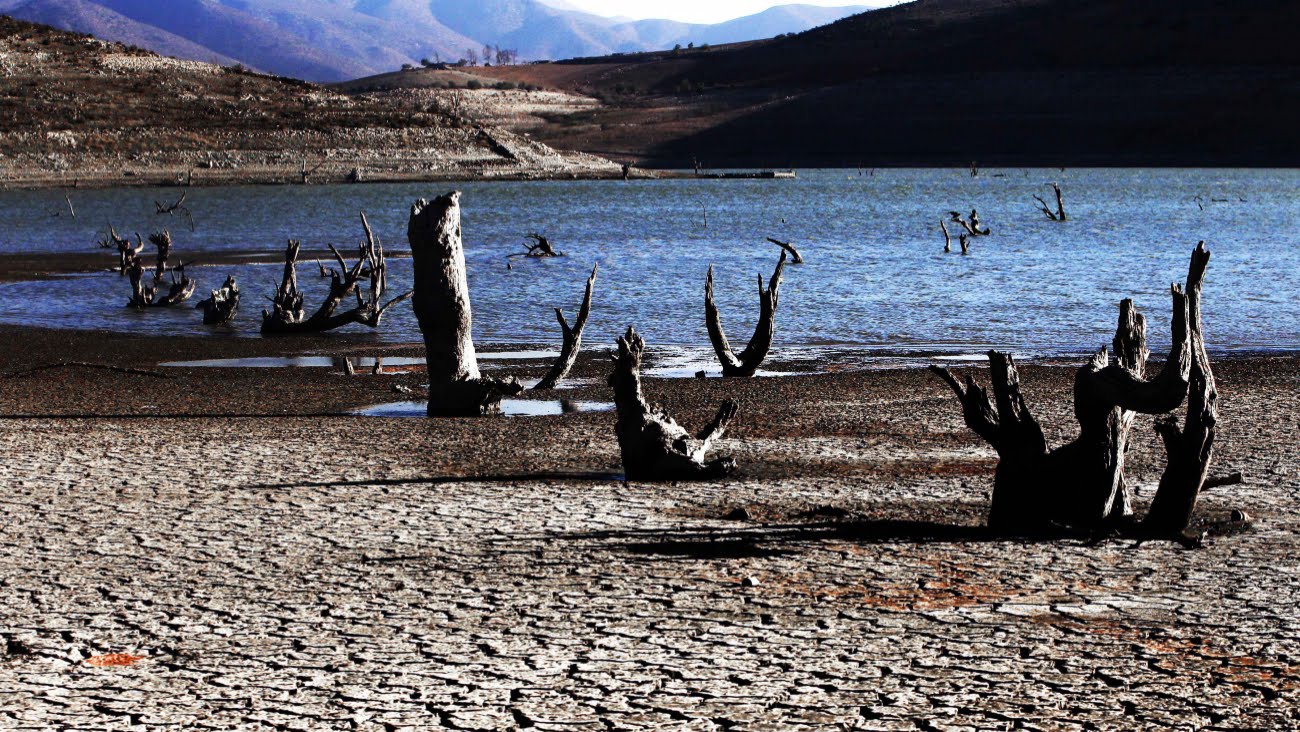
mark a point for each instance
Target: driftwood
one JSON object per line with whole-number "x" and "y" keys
{"x": 1082, "y": 484}
{"x": 1059, "y": 214}
{"x": 752, "y": 357}
{"x": 541, "y": 247}
{"x": 653, "y": 445}
{"x": 442, "y": 307}
{"x": 972, "y": 226}
{"x": 795, "y": 257}
{"x": 172, "y": 208}
{"x": 947, "y": 238}
{"x": 287, "y": 315}
{"x": 572, "y": 339}
{"x": 222, "y": 305}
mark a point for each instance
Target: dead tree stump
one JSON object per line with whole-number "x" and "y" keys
{"x": 752, "y": 357}
{"x": 287, "y": 315}
{"x": 442, "y": 307}
{"x": 146, "y": 296}
{"x": 1082, "y": 484}
{"x": 572, "y": 339}
{"x": 653, "y": 445}
{"x": 221, "y": 307}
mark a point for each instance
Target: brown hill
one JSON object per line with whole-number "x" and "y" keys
{"x": 1189, "y": 82}
{"x": 75, "y": 109}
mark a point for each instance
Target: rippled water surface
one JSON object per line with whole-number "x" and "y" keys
{"x": 876, "y": 279}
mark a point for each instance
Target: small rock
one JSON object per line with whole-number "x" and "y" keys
{"x": 749, "y": 582}
{"x": 16, "y": 647}
{"x": 700, "y": 374}
{"x": 738, "y": 514}
{"x": 1240, "y": 516}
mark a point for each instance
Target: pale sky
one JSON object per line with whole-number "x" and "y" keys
{"x": 693, "y": 11}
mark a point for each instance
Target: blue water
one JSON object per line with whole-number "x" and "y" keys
{"x": 876, "y": 280}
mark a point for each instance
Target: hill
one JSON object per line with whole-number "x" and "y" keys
{"x": 74, "y": 109}
{"x": 950, "y": 81}
{"x": 335, "y": 40}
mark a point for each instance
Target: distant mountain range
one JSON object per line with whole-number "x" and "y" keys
{"x": 334, "y": 40}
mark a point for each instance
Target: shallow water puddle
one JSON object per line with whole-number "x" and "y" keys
{"x": 509, "y": 408}
{"x": 361, "y": 362}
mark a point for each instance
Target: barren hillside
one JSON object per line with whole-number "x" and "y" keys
{"x": 76, "y": 109}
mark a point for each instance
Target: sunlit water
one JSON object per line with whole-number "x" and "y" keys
{"x": 876, "y": 282}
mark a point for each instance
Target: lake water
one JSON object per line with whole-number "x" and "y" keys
{"x": 876, "y": 282}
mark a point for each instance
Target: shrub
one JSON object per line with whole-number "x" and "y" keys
{"x": 474, "y": 84}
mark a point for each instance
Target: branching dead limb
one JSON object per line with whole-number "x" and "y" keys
{"x": 1059, "y": 214}
{"x": 795, "y": 257}
{"x": 653, "y": 445}
{"x": 752, "y": 357}
{"x": 572, "y": 339}
{"x": 170, "y": 209}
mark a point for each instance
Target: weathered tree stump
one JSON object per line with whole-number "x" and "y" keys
{"x": 1188, "y": 451}
{"x": 126, "y": 251}
{"x": 947, "y": 238}
{"x": 752, "y": 357}
{"x": 222, "y": 305}
{"x": 146, "y": 296}
{"x": 572, "y": 339}
{"x": 1082, "y": 484}
{"x": 287, "y": 315}
{"x": 653, "y": 445}
{"x": 442, "y": 307}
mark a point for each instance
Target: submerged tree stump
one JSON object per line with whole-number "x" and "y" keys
{"x": 752, "y": 357}
{"x": 653, "y": 445}
{"x": 1082, "y": 484}
{"x": 442, "y": 307}
{"x": 147, "y": 295}
{"x": 572, "y": 339}
{"x": 222, "y": 305}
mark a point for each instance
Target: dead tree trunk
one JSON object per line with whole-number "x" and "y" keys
{"x": 1059, "y": 214}
{"x": 947, "y": 238}
{"x": 795, "y": 257}
{"x": 1080, "y": 484}
{"x": 1188, "y": 451}
{"x": 162, "y": 240}
{"x": 287, "y": 315}
{"x": 442, "y": 307}
{"x": 572, "y": 339}
{"x": 653, "y": 445}
{"x": 752, "y": 357}
{"x": 222, "y": 306}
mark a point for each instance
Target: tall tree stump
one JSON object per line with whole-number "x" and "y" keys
{"x": 442, "y": 308}
{"x": 748, "y": 361}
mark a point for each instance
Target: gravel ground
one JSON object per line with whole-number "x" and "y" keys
{"x": 332, "y": 572}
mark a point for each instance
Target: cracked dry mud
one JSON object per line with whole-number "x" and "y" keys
{"x": 314, "y": 573}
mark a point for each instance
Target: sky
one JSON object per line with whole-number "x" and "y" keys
{"x": 693, "y": 11}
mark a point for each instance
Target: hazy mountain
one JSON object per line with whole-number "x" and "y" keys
{"x": 331, "y": 40}
{"x": 84, "y": 16}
